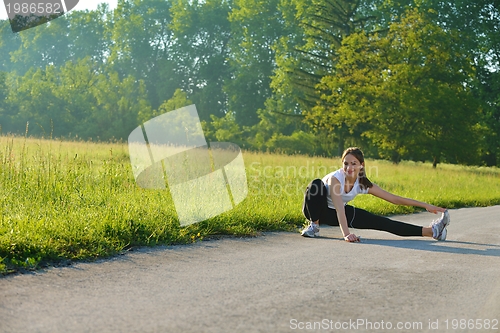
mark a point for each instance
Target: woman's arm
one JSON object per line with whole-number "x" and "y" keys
{"x": 335, "y": 191}
{"x": 397, "y": 200}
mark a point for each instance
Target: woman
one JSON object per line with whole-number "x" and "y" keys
{"x": 326, "y": 201}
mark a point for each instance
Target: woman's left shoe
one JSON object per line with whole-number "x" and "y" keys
{"x": 311, "y": 231}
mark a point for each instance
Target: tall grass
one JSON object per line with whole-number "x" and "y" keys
{"x": 78, "y": 200}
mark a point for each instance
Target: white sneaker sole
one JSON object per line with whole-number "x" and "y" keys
{"x": 443, "y": 235}
{"x": 306, "y": 234}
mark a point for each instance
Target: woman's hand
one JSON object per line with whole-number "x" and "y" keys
{"x": 351, "y": 238}
{"x": 435, "y": 209}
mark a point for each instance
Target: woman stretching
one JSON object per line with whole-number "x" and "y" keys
{"x": 326, "y": 199}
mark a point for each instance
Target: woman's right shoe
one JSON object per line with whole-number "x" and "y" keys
{"x": 311, "y": 231}
{"x": 439, "y": 226}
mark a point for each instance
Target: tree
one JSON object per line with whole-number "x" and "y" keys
{"x": 489, "y": 93}
{"x": 89, "y": 34}
{"x": 76, "y": 88}
{"x": 119, "y": 103}
{"x": 311, "y": 53}
{"x": 409, "y": 91}
{"x": 4, "y": 92}
{"x": 178, "y": 100}
{"x": 9, "y": 43}
{"x": 256, "y": 28}
{"x": 77, "y": 99}
{"x": 487, "y": 31}
{"x": 202, "y": 33}
{"x": 74, "y": 36}
{"x": 143, "y": 46}
{"x": 224, "y": 129}
{"x": 477, "y": 23}
{"x": 33, "y": 99}
{"x": 272, "y": 122}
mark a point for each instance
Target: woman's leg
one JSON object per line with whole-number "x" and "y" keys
{"x": 315, "y": 208}
{"x": 315, "y": 202}
{"x": 361, "y": 219}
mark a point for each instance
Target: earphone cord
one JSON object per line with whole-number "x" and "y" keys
{"x": 353, "y": 216}
{"x": 350, "y": 224}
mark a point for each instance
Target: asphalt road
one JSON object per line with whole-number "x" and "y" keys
{"x": 277, "y": 282}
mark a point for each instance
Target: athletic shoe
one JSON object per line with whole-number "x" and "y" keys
{"x": 311, "y": 231}
{"x": 439, "y": 226}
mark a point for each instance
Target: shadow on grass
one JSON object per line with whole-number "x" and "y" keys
{"x": 491, "y": 250}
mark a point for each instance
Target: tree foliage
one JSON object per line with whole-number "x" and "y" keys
{"x": 405, "y": 79}
{"x": 202, "y": 33}
{"x": 74, "y": 100}
{"x": 409, "y": 90}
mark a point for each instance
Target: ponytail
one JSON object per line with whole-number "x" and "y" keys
{"x": 364, "y": 182}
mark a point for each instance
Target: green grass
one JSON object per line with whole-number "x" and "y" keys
{"x": 78, "y": 200}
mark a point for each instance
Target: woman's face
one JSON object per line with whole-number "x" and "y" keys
{"x": 352, "y": 166}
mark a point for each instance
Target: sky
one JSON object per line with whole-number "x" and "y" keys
{"x": 82, "y": 5}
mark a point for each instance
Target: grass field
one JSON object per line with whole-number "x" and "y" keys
{"x": 78, "y": 200}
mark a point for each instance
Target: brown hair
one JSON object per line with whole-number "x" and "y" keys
{"x": 356, "y": 152}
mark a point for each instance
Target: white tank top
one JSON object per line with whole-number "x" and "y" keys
{"x": 346, "y": 197}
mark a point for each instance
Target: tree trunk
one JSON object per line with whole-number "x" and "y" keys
{"x": 435, "y": 162}
{"x": 396, "y": 157}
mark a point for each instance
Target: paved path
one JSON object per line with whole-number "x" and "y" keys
{"x": 279, "y": 282}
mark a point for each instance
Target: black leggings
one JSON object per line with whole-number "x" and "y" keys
{"x": 315, "y": 208}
